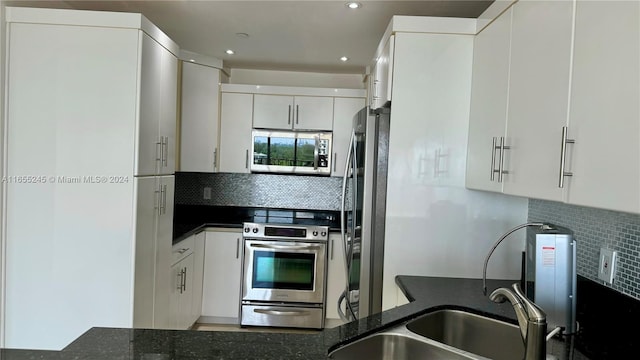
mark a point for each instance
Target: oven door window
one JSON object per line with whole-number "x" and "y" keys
{"x": 282, "y": 270}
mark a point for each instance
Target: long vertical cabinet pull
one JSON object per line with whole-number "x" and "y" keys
{"x": 297, "y": 114}
{"x": 215, "y": 158}
{"x": 159, "y": 154}
{"x": 165, "y": 153}
{"x": 563, "y": 157}
{"x": 332, "y": 246}
{"x": 503, "y": 147}
{"x": 238, "y": 248}
{"x": 184, "y": 280}
{"x": 164, "y": 199}
{"x": 289, "y": 117}
{"x": 180, "y": 275}
{"x": 493, "y": 159}
{"x": 246, "y": 159}
{"x": 335, "y": 156}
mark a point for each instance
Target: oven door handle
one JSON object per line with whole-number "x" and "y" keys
{"x": 316, "y": 152}
{"x": 281, "y": 313}
{"x": 286, "y": 247}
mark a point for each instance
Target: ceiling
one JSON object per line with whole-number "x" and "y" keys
{"x": 283, "y": 35}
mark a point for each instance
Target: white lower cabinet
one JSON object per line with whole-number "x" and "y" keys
{"x": 222, "y": 276}
{"x": 186, "y": 282}
{"x": 336, "y": 277}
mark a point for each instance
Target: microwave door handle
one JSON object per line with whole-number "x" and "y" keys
{"x": 316, "y": 152}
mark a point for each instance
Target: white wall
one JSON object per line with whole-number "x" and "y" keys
{"x": 295, "y": 78}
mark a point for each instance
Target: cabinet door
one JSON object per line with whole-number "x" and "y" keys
{"x": 198, "y": 273}
{"x": 313, "y": 113}
{"x": 222, "y": 275}
{"x": 185, "y": 313}
{"x": 336, "y": 277}
{"x": 273, "y": 111}
{"x": 384, "y": 74}
{"x": 163, "y": 242}
{"x": 145, "y": 262}
{"x": 345, "y": 110}
{"x": 488, "y": 116}
{"x": 173, "y": 315}
{"x": 604, "y": 115}
{"x": 148, "y": 144}
{"x": 168, "y": 111}
{"x": 199, "y": 121}
{"x": 538, "y": 97}
{"x": 235, "y": 124}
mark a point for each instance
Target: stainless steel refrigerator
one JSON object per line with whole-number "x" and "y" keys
{"x": 364, "y": 193}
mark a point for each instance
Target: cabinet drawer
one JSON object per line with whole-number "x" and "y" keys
{"x": 182, "y": 249}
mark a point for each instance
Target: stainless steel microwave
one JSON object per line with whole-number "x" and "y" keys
{"x": 291, "y": 152}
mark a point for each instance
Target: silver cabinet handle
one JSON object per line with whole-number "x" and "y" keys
{"x": 237, "y": 248}
{"x": 184, "y": 280}
{"x": 335, "y": 156}
{"x": 289, "y": 116}
{"x": 215, "y": 158}
{"x": 286, "y": 247}
{"x": 332, "y": 246}
{"x": 281, "y": 313}
{"x": 157, "y": 201}
{"x": 163, "y": 200}
{"x": 246, "y": 159}
{"x": 316, "y": 152}
{"x": 297, "y": 114}
{"x": 179, "y": 288}
{"x": 165, "y": 153}
{"x": 503, "y": 147}
{"x": 493, "y": 158}
{"x": 563, "y": 156}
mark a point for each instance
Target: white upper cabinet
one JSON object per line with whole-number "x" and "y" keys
{"x": 158, "y": 109}
{"x": 383, "y": 75}
{"x": 489, "y": 93}
{"x": 604, "y": 113}
{"x": 292, "y": 112}
{"x": 538, "y": 97}
{"x": 199, "y": 121}
{"x": 345, "y": 110}
{"x": 235, "y": 127}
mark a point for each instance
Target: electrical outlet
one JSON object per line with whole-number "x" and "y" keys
{"x": 207, "y": 193}
{"x": 607, "y": 265}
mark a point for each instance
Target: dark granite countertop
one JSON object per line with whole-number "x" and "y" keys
{"x": 427, "y": 294}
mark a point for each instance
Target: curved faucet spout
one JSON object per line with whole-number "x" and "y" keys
{"x": 531, "y": 319}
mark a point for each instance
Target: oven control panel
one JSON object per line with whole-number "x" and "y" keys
{"x": 285, "y": 232}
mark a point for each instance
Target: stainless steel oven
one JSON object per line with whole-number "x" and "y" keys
{"x": 284, "y": 275}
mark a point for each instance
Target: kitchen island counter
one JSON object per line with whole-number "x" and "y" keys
{"x": 427, "y": 294}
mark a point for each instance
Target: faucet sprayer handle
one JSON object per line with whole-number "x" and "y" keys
{"x": 534, "y": 312}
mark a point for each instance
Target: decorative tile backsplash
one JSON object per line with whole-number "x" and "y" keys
{"x": 594, "y": 229}
{"x": 259, "y": 190}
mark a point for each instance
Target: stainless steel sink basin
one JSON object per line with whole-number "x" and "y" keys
{"x": 470, "y": 332}
{"x": 443, "y": 334}
{"x": 395, "y": 345}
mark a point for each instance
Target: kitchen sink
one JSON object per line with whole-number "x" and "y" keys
{"x": 396, "y": 345}
{"x": 471, "y": 332}
{"x": 443, "y": 334}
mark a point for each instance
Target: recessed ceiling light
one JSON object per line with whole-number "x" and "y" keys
{"x": 353, "y": 5}
{"x": 344, "y": 58}
{"x": 230, "y": 52}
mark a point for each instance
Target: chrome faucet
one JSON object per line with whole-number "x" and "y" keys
{"x": 531, "y": 319}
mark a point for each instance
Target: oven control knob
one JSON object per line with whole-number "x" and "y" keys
{"x": 324, "y": 233}
{"x": 246, "y": 229}
{"x": 315, "y": 233}
{"x": 255, "y": 230}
